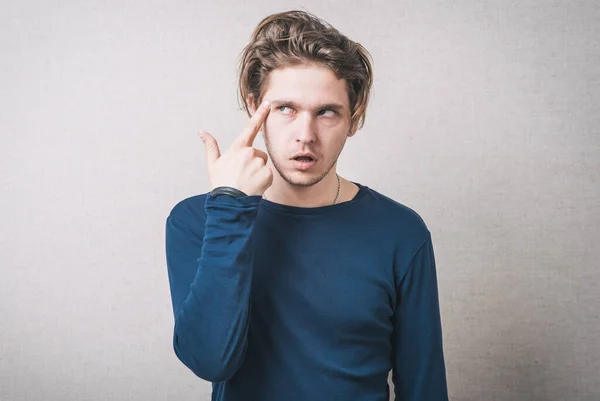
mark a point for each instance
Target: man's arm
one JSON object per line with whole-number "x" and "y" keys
{"x": 419, "y": 371}
{"x": 210, "y": 276}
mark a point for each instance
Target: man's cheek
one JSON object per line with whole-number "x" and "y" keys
{"x": 271, "y": 126}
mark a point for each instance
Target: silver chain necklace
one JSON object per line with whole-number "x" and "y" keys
{"x": 338, "y": 191}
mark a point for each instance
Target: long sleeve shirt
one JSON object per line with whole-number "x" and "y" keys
{"x": 274, "y": 302}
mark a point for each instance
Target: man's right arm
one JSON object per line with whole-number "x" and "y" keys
{"x": 210, "y": 276}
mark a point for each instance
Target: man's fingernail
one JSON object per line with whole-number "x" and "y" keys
{"x": 266, "y": 104}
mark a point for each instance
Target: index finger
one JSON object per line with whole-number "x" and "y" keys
{"x": 257, "y": 120}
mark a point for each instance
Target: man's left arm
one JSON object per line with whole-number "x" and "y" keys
{"x": 419, "y": 371}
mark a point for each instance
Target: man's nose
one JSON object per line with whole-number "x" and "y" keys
{"x": 305, "y": 130}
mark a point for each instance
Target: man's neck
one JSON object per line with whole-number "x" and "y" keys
{"x": 348, "y": 191}
{"x": 322, "y": 193}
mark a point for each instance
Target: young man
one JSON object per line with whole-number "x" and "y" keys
{"x": 289, "y": 282}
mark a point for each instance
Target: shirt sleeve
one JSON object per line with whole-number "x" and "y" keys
{"x": 419, "y": 371}
{"x": 210, "y": 274}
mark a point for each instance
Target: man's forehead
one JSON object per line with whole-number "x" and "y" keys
{"x": 306, "y": 84}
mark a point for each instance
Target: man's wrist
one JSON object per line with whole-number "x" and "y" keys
{"x": 233, "y": 192}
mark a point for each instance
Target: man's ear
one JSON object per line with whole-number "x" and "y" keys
{"x": 352, "y": 130}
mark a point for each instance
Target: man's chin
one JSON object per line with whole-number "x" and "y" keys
{"x": 304, "y": 178}
{"x": 300, "y": 177}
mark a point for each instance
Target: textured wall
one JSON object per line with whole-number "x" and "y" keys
{"x": 485, "y": 119}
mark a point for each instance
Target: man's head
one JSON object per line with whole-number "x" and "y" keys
{"x": 318, "y": 82}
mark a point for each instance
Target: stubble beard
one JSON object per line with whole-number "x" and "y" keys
{"x": 304, "y": 182}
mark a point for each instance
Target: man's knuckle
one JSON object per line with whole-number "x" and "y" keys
{"x": 248, "y": 153}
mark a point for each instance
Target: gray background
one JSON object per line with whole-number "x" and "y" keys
{"x": 485, "y": 119}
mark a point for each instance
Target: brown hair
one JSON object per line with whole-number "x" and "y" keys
{"x": 297, "y": 37}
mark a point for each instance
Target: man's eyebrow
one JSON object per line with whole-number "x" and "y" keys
{"x": 283, "y": 102}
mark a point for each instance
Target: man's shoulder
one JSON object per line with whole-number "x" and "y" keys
{"x": 399, "y": 218}
{"x": 401, "y": 228}
{"x": 190, "y": 209}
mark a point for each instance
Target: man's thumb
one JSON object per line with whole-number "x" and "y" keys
{"x": 212, "y": 148}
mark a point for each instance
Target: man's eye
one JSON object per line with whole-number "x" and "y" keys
{"x": 331, "y": 112}
{"x": 282, "y": 109}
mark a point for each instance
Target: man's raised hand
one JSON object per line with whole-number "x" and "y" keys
{"x": 241, "y": 166}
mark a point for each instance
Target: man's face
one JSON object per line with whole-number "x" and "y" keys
{"x": 310, "y": 113}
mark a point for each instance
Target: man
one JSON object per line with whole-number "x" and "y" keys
{"x": 289, "y": 282}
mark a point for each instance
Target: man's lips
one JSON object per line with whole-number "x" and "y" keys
{"x": 305, "y": 155}
{"x": 304, "y": 164}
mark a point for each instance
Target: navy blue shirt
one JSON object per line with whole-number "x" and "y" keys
{"x": 275, "y": 302}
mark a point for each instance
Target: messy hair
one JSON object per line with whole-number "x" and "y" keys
{"x": 294, "y": 38}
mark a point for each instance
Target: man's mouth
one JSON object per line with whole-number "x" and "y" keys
{"x": 304, "y": 162}
{"x": 304, "y": 157}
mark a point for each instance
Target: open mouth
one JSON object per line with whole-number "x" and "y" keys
{"x": 304, "y": 163}
{"x": 304, "y": 159}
